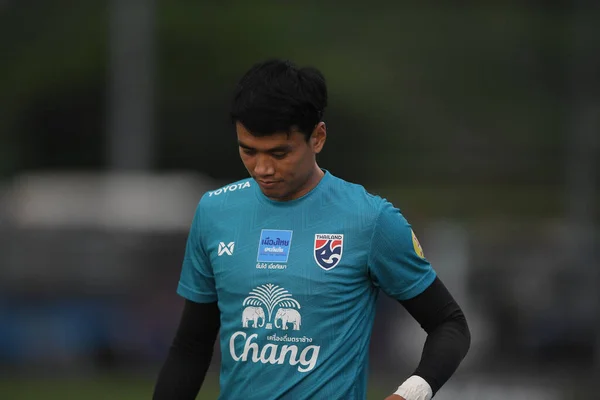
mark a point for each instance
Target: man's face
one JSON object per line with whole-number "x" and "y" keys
{"x": 283, "y": 165}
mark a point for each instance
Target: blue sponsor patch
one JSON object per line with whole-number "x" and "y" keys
{"x": 274, "y": 245}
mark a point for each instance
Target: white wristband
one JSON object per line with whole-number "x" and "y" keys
{"x": 415, "y": 388}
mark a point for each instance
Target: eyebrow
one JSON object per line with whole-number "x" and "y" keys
{"x": 282, "y": 148}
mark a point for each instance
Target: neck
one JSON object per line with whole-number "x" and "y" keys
{"x": 311, "y": 182}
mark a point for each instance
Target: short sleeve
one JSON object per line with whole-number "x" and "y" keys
{"x": 197, "y": 282}
{"x": 396, "y": 261}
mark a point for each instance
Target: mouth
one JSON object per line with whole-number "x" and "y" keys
{"x": 267, "y": 184}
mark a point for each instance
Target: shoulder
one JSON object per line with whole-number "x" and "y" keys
{"x": 222, "y": 205}
{"x": 357, "y": 197}
{"x": 231, "y": 193}
{"x": 238, "y": 187}
{"x": 356, "y": 193}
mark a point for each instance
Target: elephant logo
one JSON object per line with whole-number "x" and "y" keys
{"x": 269, "y": 298}
{"x": 253, "y": 314}
{"x": 288, "y": 316}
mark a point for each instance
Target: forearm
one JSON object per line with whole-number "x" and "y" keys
{"x": 181, "y": 375}
{"x": 448, "y": 337}
{"x": 444, "y": 349}
{"x": 184, "y": 370}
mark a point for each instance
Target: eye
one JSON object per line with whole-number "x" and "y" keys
{"x": 248, "y": 152}
{"x": 279, "y": 155}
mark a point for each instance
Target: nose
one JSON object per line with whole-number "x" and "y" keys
{"x": 264, "y": 166}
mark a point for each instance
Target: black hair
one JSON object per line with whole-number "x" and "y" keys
{"x": 277, "y": 96}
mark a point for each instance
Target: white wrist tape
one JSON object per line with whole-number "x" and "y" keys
{"x": 415, "y": 388}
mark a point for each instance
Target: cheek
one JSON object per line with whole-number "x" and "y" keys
{"x": 247, "y": 161}
{"x": 295, "y": 166}
{"x": 290, "y": 165}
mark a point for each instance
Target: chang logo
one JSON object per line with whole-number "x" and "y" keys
{"x": 272, "y": 307}
{"x": 272, "y": 353}
{"x": 267, "y": 298}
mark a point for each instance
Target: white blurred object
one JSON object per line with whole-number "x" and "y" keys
{"x": 449, "y": 255}
{"x": 124, "y": 200}
{"x": 446, "y": 246}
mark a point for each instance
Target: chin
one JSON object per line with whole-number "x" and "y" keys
{"x": 275, "y": 194}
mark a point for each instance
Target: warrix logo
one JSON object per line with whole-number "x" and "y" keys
{"x": 229, "y": 188}
{"x": 266, "y": 307}
{"x": 225, "y": 248}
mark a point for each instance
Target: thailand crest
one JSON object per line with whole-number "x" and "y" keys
{"x": 328, "y": 250}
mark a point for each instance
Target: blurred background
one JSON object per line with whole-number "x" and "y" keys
{"x": 480, "y": 121}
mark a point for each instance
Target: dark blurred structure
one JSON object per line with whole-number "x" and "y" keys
{"x": 480, "y": 121}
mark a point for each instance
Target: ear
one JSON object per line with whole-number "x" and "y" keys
{"x": 318, "y": 137}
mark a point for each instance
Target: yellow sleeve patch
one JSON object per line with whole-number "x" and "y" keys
{"x": 417, "y": 245}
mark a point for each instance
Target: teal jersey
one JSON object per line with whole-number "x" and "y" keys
{"x": 296, "y": 283}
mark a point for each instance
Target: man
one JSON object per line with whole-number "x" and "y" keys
{"x": 288, "y": 264}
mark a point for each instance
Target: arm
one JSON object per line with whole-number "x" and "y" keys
{"x": 447, "y": 343}
{"x": 398, "y": 266}
{"x": 189, "y": 357}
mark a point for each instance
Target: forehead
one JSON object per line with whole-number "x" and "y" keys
{"x": 269, "y": 141}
